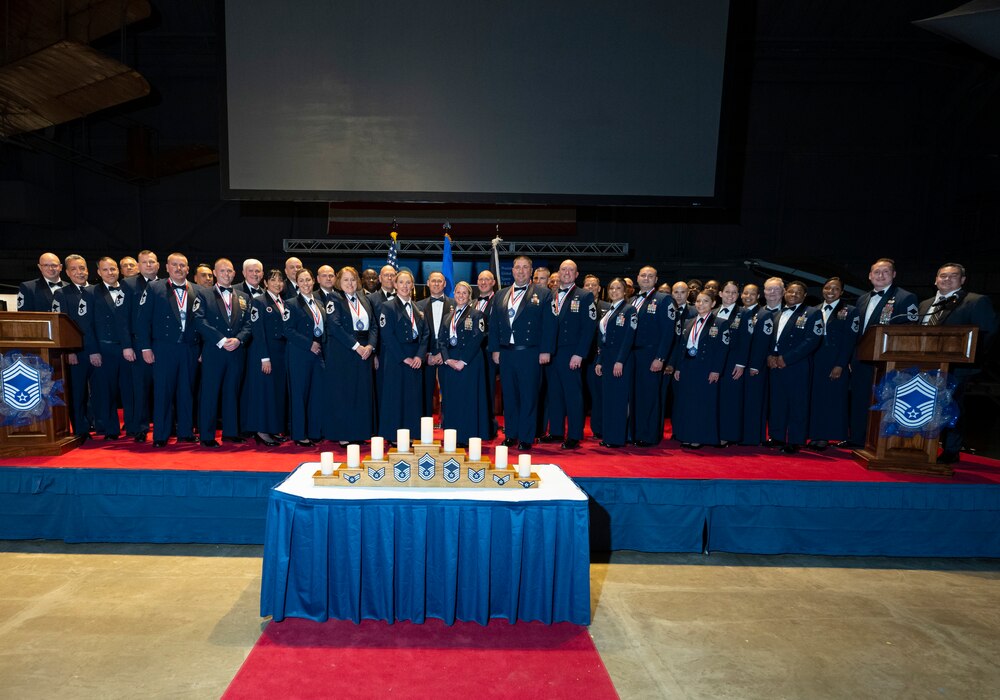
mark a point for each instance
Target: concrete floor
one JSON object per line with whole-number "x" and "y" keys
{"x": 126, "y": 621}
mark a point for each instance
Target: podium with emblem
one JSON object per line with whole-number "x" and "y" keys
{"x": 901, "y": 347}
{"x": 34, "y": 419}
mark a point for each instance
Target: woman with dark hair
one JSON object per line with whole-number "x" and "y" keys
{"x": 615, "y": 365}
{"x": 699, "y": 357}
{"x": 352, "y": 335}
{"x": 305, "y": 330}
{"x": 403, "y": 334}
{"x": 265, "y": 390}
{"x": 463, "y": 374}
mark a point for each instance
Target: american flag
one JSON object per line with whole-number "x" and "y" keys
{"x": 390, "y": 258}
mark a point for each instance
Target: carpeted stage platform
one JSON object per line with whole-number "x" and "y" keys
{"x": 665, "y": 499}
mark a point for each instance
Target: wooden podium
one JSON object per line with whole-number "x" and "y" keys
{"x": 51, "y": 337}
{"x": 904, "y": 347}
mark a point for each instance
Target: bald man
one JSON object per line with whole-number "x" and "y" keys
{"x": 387, "y": 286}
{"x": 292, "y": 267}
{"x": 36, "y": 295}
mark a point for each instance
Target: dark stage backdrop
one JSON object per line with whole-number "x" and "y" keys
{"x": 521, "y": 101}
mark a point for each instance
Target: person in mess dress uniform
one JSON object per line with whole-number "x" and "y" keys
{"x": 463, "y": 369}
{"x": 615, "y": 364}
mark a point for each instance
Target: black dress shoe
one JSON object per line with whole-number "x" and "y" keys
{"x": 818, "y": 445}
{"x": 643, "y": 443}
{"x": 694, "y": 445}
{"x": 522, "y": 445}
{"x": 547, "y": 439}
{"x": 789, "y": 449}
{"x": 605, "y": 443}
{"x": 266, "y": 441}
{"x": 305, "y": 443}
{"x": 235, "y": 439}
{"x": 509, "y": 442}
{"x": 190, "y": 440}
{"x": 112, "y": 437}
{"x": 209, "y": 443}
{"x": 159, "y": 443}
{"x": 139, "y": 437}
{"x": 280, "y": 438}
{"x": 570, "y": 444}
{"x": 948, "y": 457}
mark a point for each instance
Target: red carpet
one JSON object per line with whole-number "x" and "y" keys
{"x": 668, "y": 461}
{"x": 338, "y": 659}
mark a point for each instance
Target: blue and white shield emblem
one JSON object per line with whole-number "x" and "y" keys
{"x": 501, "y": 480}
{"x": 913, "y": 403}
{"x": 452, "y": 471}
{"x": 476, "y": 476}
{"x": 426, "y": 467}
{"x": 22, "y": 386}
{"x": 376, "y": 474}
{"x": 401, "y": 471}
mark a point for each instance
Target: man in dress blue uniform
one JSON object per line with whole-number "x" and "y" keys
{"x": 576, "y": 321}
{"x": 169, "y": 342}
{"x": 387, "y": 286}
{"x": 831, "y": 379}
{"x": 36, "y": 295}
{"x": 652, "y": 344}
{"x": 885, "y": 304}
{"x": 434, "y": 308}
{"x": 521, "y": 341}
{"x": 955, "y": 306}
{"x": 593, "y": 399}
{"x": 222, "y": 319}
{"x": 798, "y": 332}
{"x": 137, "y": 420}
{"x": 755, "y": 397}
{"x": 108, "y": 343}
{"x": 487, "y": 284}
{"x": 76, "y": 301}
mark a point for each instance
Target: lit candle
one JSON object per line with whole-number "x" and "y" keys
{"x": 378, "y": 448}
{"x": 475, "y": 449}
{"x": 326, "y": 463}
{"x": 524, "y": 465}
{"x": 403, "y": 440}
{"x": 450, "y": 440}
{"x": 500, "y": 458}
{"x": 353, "y": 456}
{"x": 426, "y": 430}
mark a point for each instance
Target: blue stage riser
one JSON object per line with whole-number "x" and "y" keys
{"x": 650, "y": 515}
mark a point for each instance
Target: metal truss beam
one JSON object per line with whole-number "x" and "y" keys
{"x": 580, "y": 249}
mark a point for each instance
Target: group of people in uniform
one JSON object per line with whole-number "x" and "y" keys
{"x": 342, "y": 355}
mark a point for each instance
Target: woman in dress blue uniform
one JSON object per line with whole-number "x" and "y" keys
{"x": 305, "y": 330}
{"x": 699, "y": 358}
{"x": 463, "y": 374}
{"x": 352, "y": 335}
{"x": 615, "y": 364}
{"x": 830, "y": 378}
{"x": 731, "y": 384}
{"x": 265, "y": 393}
{"x": 402, "y": 346}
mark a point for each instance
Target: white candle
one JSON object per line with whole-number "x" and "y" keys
{"x": 450, "y": 440}
{"x": 378, "y": 448}
{"x": 426, "y": 430}
{"x": 500, "y": 458}
{"x": 475, "y": 449}
{"x": 353, "y": 456}
{"x": 403, "y": 440}
{"x": 326, "y": 463}
{"x": 524, "y": 465}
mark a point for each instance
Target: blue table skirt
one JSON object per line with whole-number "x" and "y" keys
{"x": 410, "y": 560}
